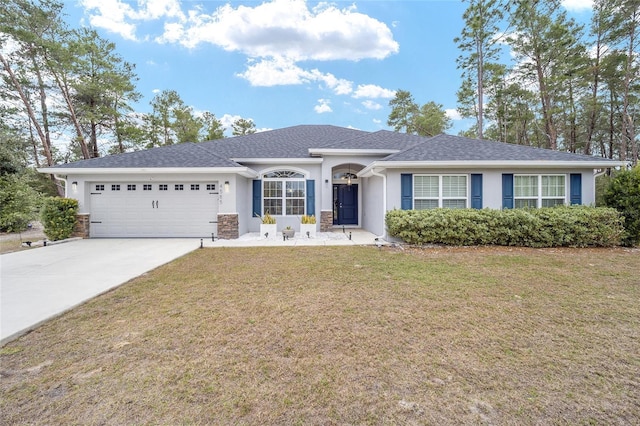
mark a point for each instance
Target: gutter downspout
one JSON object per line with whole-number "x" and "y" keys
{"x": 384, "y": 200}
{"x": 599, "y": 173}
{"x": 66, "y": 184}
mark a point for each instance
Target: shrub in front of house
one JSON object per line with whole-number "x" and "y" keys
{"x": 58, "y": 217}
{"x": 623, "y": 194}
{"x": 562, "y": 226}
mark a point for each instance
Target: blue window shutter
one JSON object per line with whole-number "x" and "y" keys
{"x": 476, "y": 191}
{"x": 311, "y": 197}
{"x": 507, "y": 191}
{"x": 575, "y": 188}
{"x": 257, "y": 198}
{"x": 406, "y": 191}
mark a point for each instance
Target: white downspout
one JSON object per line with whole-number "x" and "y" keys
{"x": 66, "y": 185}
{"x": 384, "y": 200}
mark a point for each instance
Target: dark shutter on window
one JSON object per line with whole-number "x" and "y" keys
{"x": 257, "y": 198}
{"x": 507, "y": 191}
{"x": 406, "y": 191}
{"x": 575, "y": 188}
{"x": 311, "y": 197}
{"x": 476, "y": 191}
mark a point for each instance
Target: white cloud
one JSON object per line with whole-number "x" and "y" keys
{"x": 372, "y": 91}
{"x": 286, "y": 28}
{"x": 323, "y": 106}
{"x": 279, "y": 71}
{"x": 453, "y": 114}
{"x": 227, "y": 120}
{"x": 577, "y": 5}
{"x": 275, "y": 36}
{"x": 369, "y": 104}
{"x": 121, "y": 18}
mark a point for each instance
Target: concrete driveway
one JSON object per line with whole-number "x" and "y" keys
{"x": 41, "y": 283}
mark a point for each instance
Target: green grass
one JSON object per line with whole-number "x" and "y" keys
{"x": 337, "y": 335}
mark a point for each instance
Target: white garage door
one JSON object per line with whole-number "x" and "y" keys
{"x": 143, "y": 209}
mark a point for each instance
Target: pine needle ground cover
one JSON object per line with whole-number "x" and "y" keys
{"x": 335, "y": 335}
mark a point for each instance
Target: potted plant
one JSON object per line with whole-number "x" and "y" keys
{"x": 308, "y": 226}
{"x": 288, "y": 232}
{"x": 268, "y": 226}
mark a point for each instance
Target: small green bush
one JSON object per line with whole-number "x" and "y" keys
{"x": 564, "y": 226}
{"x": 623, "y": 194}
{"x": 59, "y": 217}
{"x": 18, "y": 203}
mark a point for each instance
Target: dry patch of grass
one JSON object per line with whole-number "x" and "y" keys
{"x": 337, "y": 335}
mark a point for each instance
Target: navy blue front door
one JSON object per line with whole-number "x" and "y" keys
{"x": 345, "y": 204}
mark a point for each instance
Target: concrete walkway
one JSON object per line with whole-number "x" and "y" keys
{"x": 42, "y": 283}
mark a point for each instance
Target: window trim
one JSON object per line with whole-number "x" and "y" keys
{"x": 283, "y": 190}
{"x": 539, "y": 198}
{"x": 441, "y": 198}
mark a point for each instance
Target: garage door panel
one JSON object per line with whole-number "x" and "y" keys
{"x": 154, "y": 210}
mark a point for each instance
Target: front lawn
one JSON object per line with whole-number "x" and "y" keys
{"x": 344, "y": 335}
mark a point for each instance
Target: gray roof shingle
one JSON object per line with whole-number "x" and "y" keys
{"x": 456, "y": 148}
{"x": 180, "y": 155}
{"x": 295, "y": 142}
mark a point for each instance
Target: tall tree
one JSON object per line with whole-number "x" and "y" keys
{"x": 431, "y": 120}
{"x": 243, "y": 127}
{"x": 545, "y": 41}
{"x": 427, "y": 120}
{"x": 403, "y": 109}
{"x": 478, "y": 42}
{"x": 212, "y": 126}
{"x": 172, "y": 121}
{"x": 103, "y": 86}
{"x": 625, "y": 19}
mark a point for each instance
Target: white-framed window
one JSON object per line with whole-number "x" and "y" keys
{"x": 115, "y": 187}
{"x": 440, "y": 191}
{"x": 535, "y": 191}
{"x": 147, "y": 187}
{"x": 163, "y": 187}
{"x": 131, "y": 187}
{"x": 179, "y": 187}
{"x": 195, "y": 187}
{"x": 284, "y": 193}
{"x": 100, "y": 187}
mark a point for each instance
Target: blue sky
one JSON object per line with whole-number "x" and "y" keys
{"x": 288, "y": 62}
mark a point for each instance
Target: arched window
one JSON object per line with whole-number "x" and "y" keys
{"x": 283, "y": 193}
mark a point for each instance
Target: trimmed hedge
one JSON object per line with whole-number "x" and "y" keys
{"x": 562, "y": 226}
{"x": 59, "y": 217}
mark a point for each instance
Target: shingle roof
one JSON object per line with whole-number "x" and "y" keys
{"x": 382, "y": 139}
{"x": 295, "y": 142}
{"x": 290, "y": 142}
{"x": 457, "y": 148}
{"x": 180, "y": 155}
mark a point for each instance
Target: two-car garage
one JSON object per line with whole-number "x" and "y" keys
{"x": 153, "y": 209}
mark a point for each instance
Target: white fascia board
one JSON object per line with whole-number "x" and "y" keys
{"x": 360, "y": 152}
{"x": 277, "y": 160}
{"x": 244, "y": 171}
{"x": 595, "y": 164}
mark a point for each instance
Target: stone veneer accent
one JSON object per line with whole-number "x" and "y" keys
{"x": 228, "y": 226}
{"x": 82, "y": 227}
{"x": 326, "y": 221}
